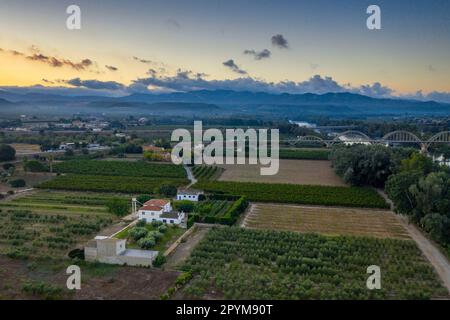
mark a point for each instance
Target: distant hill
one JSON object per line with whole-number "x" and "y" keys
{"x": 4, "y": 102}
{"x": 204, "y": 103}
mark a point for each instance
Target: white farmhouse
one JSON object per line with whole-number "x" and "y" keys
{"x": 191, "y": 195}
{"x": 160, "y": 210}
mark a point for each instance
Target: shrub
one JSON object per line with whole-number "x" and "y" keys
{"x": 155, "y": 234}
{"x": 147, "y": 243}
{"x": 156, "y": 223}
{"x": 18, "y": 183}
{"x": 162, "y": 228}
{"x": 143, "y": 198}
{"x": 7, "y": 153}
{"x": 42, "y": 289}
{"x": 8, "y": 166}
{"x": 167, "y": 190}
{"x": 159, "y": 260}
{"x": 119, "y": 207}
{"x": 141, "y": 223}
{"x": 34, "y": 166}
{"x": 138, "y": 233}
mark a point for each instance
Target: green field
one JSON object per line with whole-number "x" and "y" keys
{"x": 301, "y": 194}
{"x": 98, "y": 183}
{"x": 206, "y": 172}
{"x": 51, "y": 223}
{"x": 240, "y": 263}
{"x": 120, "y": 168}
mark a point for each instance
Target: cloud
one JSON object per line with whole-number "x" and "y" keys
{"x": 234, "y": 67}
{"x": 55, "y": 62}
{"x": 145, "y": 61}
{"x": 189, "y": 81}
{"x": 375, "y": 90}
{"x": 48, "y": 81}
{"x": 111, "y": 68}
{"x": 95, "y": 84}
{"x": 280, "y": 41}
{"x": 259, "y": 55}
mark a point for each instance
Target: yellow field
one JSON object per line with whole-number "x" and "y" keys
{"x": 311, "y": 172}
{"x": 327, "y": 221}
{"x": 26, "y": 148}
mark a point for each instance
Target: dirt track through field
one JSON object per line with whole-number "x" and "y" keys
{"x": 184, "y": 249}
{"x": 438, "y": 260}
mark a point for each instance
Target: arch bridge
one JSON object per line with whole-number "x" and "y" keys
{"x": 395, "y": 137}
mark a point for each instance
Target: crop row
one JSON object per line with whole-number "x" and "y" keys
{"x": 205, "y": 172}
{"x": 302, "y": 194}
{"x": 120, "y": 168}
{"x": 109, "y": 183}
{"x": 304, "y": 154}
{"x": 255, "y": 264}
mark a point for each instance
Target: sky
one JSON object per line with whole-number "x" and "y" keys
{"x": 260, "y": 45}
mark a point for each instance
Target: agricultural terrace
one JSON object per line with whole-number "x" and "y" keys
{"x": 310, "y": 172}
{"x": 300, "y": 194}
{"x": 120, "y": 184}
{"x": 120, "y": 168}
{"x": 327, "y": 221}
{"x": 48, "y": 224}
{"x": 236, "y": 263}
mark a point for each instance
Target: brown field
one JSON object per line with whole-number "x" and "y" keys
{"x": 327, "y": 221}
{"x": 99, "y": 282}
{"x": 311, "y": 172}
{"x": 26, "y": 148}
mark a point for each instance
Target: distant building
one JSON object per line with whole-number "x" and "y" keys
{"x": 189, "y": 194}
{"x": 114, "y": 251}
{"x": 66, "y": 146}
{"x": 160, "y": 210}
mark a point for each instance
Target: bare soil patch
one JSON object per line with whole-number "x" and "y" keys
{"x": 326, "y": 220}
{"x": 308, "y": 172}
{"x": 116, "y": 283}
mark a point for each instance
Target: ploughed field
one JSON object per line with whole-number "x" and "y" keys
{"x": 237, "y": 263}
{"x": 325, "y": 220}
{"x": 309, "y": 172}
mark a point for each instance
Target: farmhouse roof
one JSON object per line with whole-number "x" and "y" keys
{"x": 157, "y": 202}
{"x": 151, "y": 208}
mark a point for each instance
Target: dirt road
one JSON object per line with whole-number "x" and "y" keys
{"x": 433, "y": 254}
{"x": 184, "y": 249}
{"x": 439, "y": 261}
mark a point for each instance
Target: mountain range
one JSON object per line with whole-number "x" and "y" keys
{"x": 220, "y": 103}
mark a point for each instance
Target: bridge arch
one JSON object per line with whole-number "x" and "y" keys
{"x": 307, "y": 138}
{"x": 401, "y": 136}
{"x": 441, "y": 137}
{"x": 353, "y": 136}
